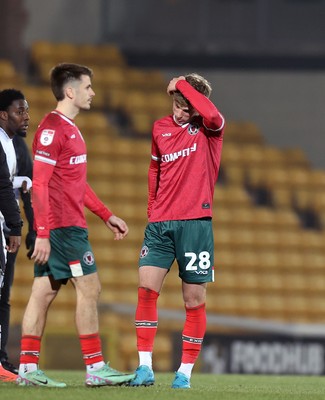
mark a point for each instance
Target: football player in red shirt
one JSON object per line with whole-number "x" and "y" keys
{"x": 185, "y": 159}
{"x": 62, "y": 251}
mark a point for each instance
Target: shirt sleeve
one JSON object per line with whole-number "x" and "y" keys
{"x": 24, "y": 159}
{"x": 95, "y": 205}
{"x": 212, "y": 118}
{"x": 42, "y": 173}
{"x": 8, "y": 203}
{"x": 46, "y": 148}
{"x": 24, "y": 168}
{"x": 153, "y": 175}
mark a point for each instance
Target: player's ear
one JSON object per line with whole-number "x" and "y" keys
{"x": 4, "y": 115}
{"x": 69, "y": 92}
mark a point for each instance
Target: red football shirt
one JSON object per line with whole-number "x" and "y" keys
{"x": 186, "y": 162}
{"x": 59, "y": 178}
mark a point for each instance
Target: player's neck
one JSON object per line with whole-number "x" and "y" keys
{"x": 67, "y": 109}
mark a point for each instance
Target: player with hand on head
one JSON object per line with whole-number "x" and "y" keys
{"x": 62, "y": 251}
{"x": 185, "y": 159}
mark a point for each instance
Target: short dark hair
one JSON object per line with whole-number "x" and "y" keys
{"x": 64, "y": 73}
{"x": 8, "y": 96}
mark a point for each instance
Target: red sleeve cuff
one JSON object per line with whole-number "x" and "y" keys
{"x": 43, "y": 233}
{"x": 93, "y": 203}
{"x": 105, "y": 214}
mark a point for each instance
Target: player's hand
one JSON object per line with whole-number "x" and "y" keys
{"x": 30, "y": 243}
{"x": 171, "y": 88}
{"x": 118, "y": 227}
{"x": 13, "y": 244}
{"x": 41, "y": 251}
{"x": 24, "y": 187}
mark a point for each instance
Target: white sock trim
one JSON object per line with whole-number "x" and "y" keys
{"x": 186, "y": 369}
{"x": 145, "y": 358}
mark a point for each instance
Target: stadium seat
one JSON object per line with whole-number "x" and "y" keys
{"x": 251, "y": 154}
{"x": 243, "y": 132}
{"x": 100, "y": 55}
{"x": 41, "y": 50}
{"x": 39, "y": 97}
{"x": 282, "y": 198}
{"x": 233, "y": 174}
{"x": 249, "y": 305}
{"x": 159, "y": 104}
{"x": 231, "y": 153}
{"x": 142, "y": 123}
{"x": 9, "y": 77}
{"x": 111, "y": 77}
{"x": 94, "y": 125}
{"x": 111, "y": 55}
{"x": 115, "y": 98}
{"x": 286, "y": 218}
{"x": 296, "y": 157}
{"x": 273, "y": 156}
{"x": 137, "y": 79}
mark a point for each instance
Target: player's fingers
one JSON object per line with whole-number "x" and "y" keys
{"x": 40, "y": 257}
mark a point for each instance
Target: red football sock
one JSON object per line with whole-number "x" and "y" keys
{"x": 30, "y": 349}
{"x": 91, "y": 348}
{"x": 146, "y": 318}
{"x": 193, "y": 333}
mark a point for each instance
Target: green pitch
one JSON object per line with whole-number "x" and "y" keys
{"x": 204, "y": 387}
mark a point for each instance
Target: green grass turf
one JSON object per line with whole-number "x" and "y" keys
{"x": 204, "y": 387}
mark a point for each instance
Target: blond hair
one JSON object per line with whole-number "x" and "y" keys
{"x": 199, "y": 83}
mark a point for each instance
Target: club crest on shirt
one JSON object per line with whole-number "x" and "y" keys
{"x": 88, "y": 258}
{"x": 47, "y": 136}
{"x": 144, "y": 251}
{"x": 193, "y": 129}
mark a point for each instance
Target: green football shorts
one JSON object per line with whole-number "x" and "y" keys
{"x": 190, "y": 242}
{"x": 71, "y": 255}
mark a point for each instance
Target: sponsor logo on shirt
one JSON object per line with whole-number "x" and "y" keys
{"x": 181, "y": 153}
{"x": 78, "y": 159}
{"x": 47, "y": 137}
{"x": 201, "y": 272}
{"x": 43, "y": 153}
{"x": 166, "y": 134}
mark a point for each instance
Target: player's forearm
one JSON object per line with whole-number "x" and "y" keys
{"x": 95, "y": 205}
{"x": 27, "y": 205}
{"x": 208, "y": 111}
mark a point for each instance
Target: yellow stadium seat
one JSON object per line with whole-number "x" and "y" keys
{"x": 8, "y": 74}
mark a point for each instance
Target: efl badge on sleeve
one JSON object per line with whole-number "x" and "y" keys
{"x": 47, "y": 136}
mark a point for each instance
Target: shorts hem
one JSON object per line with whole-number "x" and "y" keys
{"x": 196, "y": 281}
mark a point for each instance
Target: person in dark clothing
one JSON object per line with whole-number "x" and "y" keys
{"x": 25, "y": 168}
{"x": 10, "y": 210}
{"x": 14, "y": 119}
